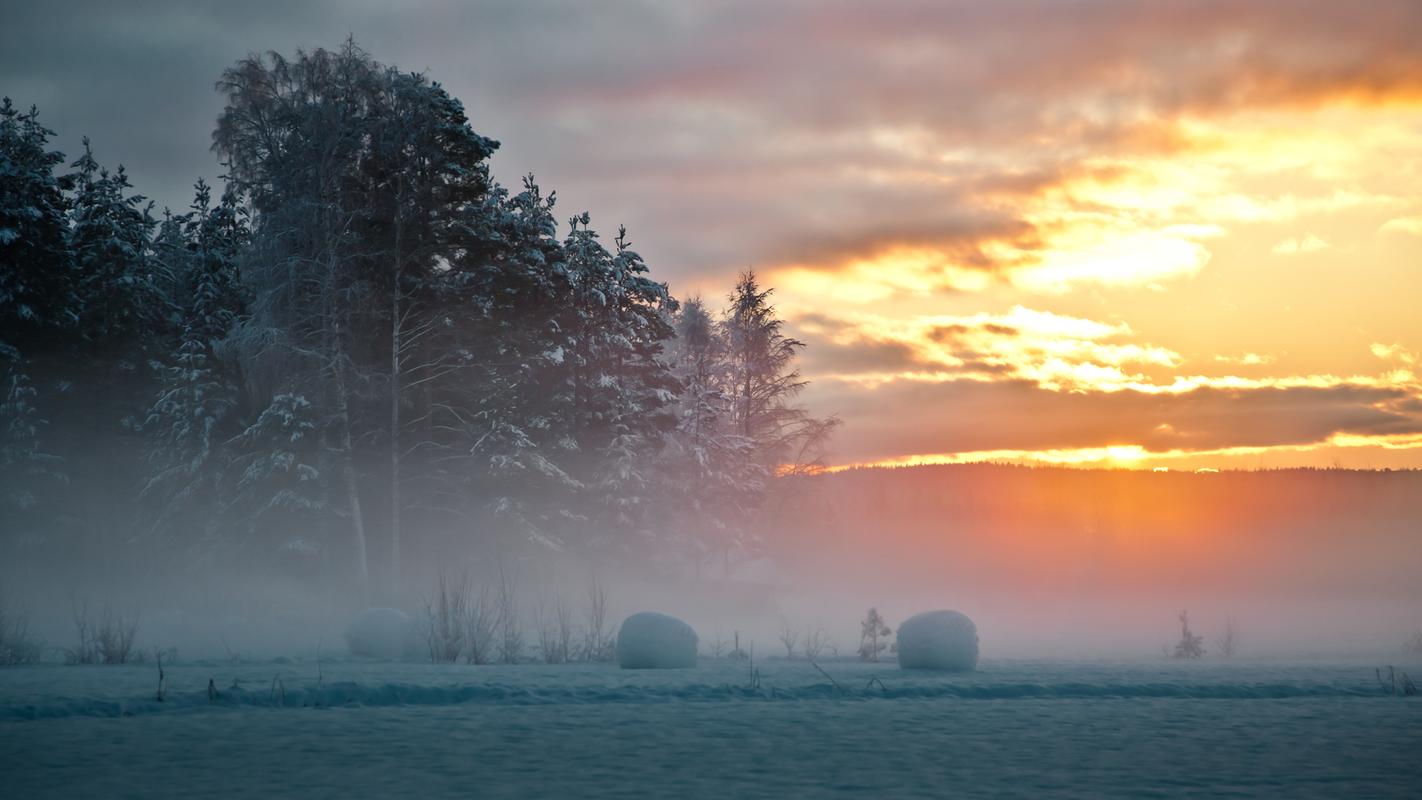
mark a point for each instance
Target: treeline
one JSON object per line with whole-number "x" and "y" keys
{"x": 363, "y": 347}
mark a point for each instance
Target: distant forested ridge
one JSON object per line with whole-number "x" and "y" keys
{"x": 360, "y": 347}
{"x": 999, "y": 531}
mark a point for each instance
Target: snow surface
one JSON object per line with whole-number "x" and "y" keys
{"x": 649, "y": 640}
{"x": 380, "y": 633}
{"x": 938, "y": 640}
{"x": 358, "y": 728}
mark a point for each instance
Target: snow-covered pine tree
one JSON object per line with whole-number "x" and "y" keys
{"x": 25, "y": 469}
{"x": 491, "y": 435}
{"x": 122, "y": 297}
{"x": 216, "y": 239}
{"x": 193, "y": 413}
{"x": 709, "y": 476}
{"x": 126, "y": 327}
{"x": 273, "y": 495}
{"x": 36, "y": 272}
{"x": 617, "y": 391}
{"x": 765, "y": 382}
{"x": 425, "y": 172}
{"x": 183, "y": 429}
{"x": 37, "y": 308}
{"x": 738, "y": 425}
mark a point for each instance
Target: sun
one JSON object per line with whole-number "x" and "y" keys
{"x": 1125, "y": 453}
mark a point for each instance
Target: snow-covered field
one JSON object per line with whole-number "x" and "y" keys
{"x": 1265, "y": 728}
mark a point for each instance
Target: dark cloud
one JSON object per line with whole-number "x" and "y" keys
{"x": 734, "y": 133}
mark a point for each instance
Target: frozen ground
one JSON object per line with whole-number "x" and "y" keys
{"x": 1015, "y": 728}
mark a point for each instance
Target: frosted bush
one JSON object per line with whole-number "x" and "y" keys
{"x": 655, "y": 641}
{"x": 945, "y": 640}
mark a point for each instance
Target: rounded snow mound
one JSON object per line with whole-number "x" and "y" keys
{"x": 655, "y": 641}
{"x": 938, "y": 640}
{"x": 380, "y": 633}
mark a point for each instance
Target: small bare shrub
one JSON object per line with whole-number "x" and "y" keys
{"x": 510, "y": 637}
{"x": 737, "y": 654}
{"x": 871, "y": 630}
{"x": 789, "y": 637}
{"x": 447, "y": 618}
{"x": 555, "y": 631}
{"x": 717, "y": 646}
{"x": 1414, "y": 645}
{"x": 543, "y": 647}
{"x": 564, "y": 629}
{"x": 599, "y": 644}
{"x": 817, "y": 643}
{"x": 1228, "y": 643}
{"x": 1191, "y": 645}
{"x": 1396, "y": 683}
{"x": 109, "y": 640}
{"x": 481, "y": 626}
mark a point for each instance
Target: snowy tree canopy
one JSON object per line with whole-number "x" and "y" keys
{"x": 361, "y": 343}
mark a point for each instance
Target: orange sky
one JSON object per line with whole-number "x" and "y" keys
{"x": 1163, "y": 234}
{"x": 1181, "y": 237}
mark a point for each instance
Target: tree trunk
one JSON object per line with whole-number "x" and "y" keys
{"x": 348, "y": 478}
{"x": 395, "y": 345}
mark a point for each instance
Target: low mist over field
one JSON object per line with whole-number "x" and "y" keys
{"x": 1051, "y": 562}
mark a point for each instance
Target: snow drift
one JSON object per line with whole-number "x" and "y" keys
{"x": 655, "y": 641}
{"x": 938, "y": 640}
{"x": 381, "y": 633}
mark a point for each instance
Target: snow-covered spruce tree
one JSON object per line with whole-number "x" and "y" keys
{"x": 616, "y": 391}
{"x": 740, "y": 426}
{"x": 709, "y": 473}
{"x": 37, "y": 310}
{"x": 183, "y": 429}
{"x": 26, "y": 471}
{"x": 36, "y": 272}
{"x": 272, "y": 495}
{"x": 126, "y": 328}
{"x": 215, "y": 240}
{"x": 193, "y": 413}
{"x": 489, "y": 433}
{"x": 765, "y": 382}
{"x": 425, "y": 178}
{"x": 123, "y": 289}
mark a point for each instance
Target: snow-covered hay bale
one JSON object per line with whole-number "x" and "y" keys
{"x": 655, "y": 641}
{"x": 938, "y": 640}
{"x": 380, "y": 633}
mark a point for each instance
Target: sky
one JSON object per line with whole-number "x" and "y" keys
{"x": 1164, "y": 235}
